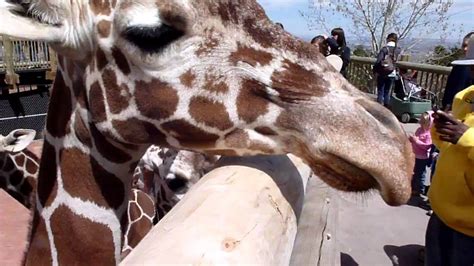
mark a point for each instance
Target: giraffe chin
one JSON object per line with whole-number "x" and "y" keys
{"x": 346, "y": 176}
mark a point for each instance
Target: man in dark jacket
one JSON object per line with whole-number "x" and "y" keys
{"x": 458, "y": 79}
{"x": 386, "y": 59}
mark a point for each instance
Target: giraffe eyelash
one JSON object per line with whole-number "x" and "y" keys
{"x": 152, "y": 39}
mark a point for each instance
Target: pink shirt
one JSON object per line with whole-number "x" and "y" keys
{"x": 422, "y": 145}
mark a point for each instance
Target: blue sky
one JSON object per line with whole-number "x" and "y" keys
{"x": 287, "y": 12}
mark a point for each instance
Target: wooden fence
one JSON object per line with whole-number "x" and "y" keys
{"x": 25, "y": 65}
{"x": 430, "y": 77}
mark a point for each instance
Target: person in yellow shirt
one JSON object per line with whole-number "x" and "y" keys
{"x": 450, "y": 232}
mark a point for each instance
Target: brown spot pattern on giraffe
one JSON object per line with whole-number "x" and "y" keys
{"x": 237, "y": 139}
{"x": 57, "y": 122}
{"x": 295, "y": 83}
{"x": 106, "y": 148}
{"x": 146, "y": 203}
{"x": 215, "y": 84}
{"x": 80, "y": 92}
{"x": 288, "y": 122}
{"x": 47, "y": 178}
{"x": 140, "y": 227}
{"x": 188, "y": 134}
{"x": 156, "y": 99}
{"x": 101, "y": 59}
{"x": 117, "y": 96}
{"x": 207, "y": 46}
{"x": 229, "y": 11}
{"x": 99, "y": 250}
{"x": 250, "y": 105}
{"x": 97, "y": 106}
{"x": 104, "y": 28}
{"x": 81, "y": 131}
{"x": 250, "y": 56}
{"x": 39, "y": 249}
{"x": 100, "y": 7}
{"x": 210, "y": 113}
{"x": 121, "y": 60}
{"x": 136, "y": 131}
{"x": 261, "y": 34}
{"x": 266, "y": 131}
{"x": 89, "y": 181}
{"x": 261, "y": 147}
{"x": 20, "y": 160}
{"x": 31, "y": 167}
{"x": 188, "y": 78}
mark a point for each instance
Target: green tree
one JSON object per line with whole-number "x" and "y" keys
{"x": 410, "y": 19}
{"x": 359, "y": 50}
{"x": 444, "y": 56}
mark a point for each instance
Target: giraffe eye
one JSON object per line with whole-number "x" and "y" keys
{"x": 152, "y": 39}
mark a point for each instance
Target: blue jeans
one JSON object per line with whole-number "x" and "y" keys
{"x": 419, "y": 175}
{"x": 384, "y": 84}
{"x": 447, "y": 247}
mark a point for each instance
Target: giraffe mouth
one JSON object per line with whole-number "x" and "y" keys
{"x": 344, "y": 175}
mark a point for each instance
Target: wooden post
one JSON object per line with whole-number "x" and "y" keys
{"x": 315, "y": 242}
{"x": 11, "y": 78}
{"x": 243, "y": 212}
{"x": 53, "y": 62}
{"x": 405, "y": 58}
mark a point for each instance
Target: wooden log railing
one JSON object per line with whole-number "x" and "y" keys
{"x": 243, "y": 212}
{"x": 430, "y": 77}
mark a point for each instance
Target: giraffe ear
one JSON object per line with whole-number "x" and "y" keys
{"x": 17, "y": 24}
{"x": 17, "y": 140}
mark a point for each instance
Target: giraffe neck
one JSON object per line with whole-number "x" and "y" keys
{"x": 83, "y": 182}
{"x": 18, "y": 173}
{"x": 141, "y": 216}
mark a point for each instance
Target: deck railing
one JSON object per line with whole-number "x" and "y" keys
{"x": 430, "y": 77}
{"x": 24, "y": 54}
{"x": 23, "y": 57}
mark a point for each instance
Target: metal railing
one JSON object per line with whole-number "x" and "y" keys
{"x": 24, "y": 54}
{"x": 25, "y": 65}
{"x": 430, "y": 77}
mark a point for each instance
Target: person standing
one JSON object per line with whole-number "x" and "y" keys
{"x": 421, "y": 143}
{"x": 385, "y": 69}
{"x": 338, "y": 46}
{"x": 459, "y": 78}
{"x": 450, "y": 231}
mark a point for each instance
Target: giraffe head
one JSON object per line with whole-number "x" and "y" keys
{"x": 18, "y": 167}
{"x": 216, "y": 77}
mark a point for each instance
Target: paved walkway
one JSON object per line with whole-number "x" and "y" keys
{"x": 14, "y": 219}
{"x": 372, "y": 233}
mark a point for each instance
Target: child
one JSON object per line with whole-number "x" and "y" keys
{"x": 421, "y": 143}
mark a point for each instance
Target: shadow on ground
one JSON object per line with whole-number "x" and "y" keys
{"x": 408, "y": 255}
{"x": 348, "y": 260}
